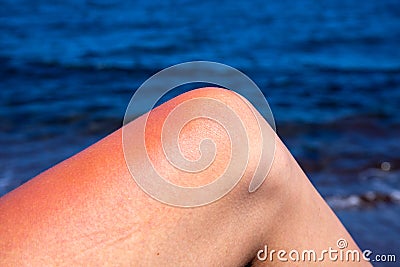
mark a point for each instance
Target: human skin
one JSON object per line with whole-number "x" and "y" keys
{"x": 88, "y": 210}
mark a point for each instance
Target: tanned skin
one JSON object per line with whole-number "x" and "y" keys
{"x": 89, "y": 211}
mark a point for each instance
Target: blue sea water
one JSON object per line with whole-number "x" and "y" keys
{"x": 329, "y": 69}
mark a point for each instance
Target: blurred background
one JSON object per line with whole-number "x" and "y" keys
{"x": 329, "y": 69}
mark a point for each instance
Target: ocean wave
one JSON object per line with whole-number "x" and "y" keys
{"x": 31, "y": 66}
{"x": 365, "y": 200}
{"x": 354, "y": 69}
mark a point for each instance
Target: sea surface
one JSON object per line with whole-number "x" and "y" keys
{"x": 329, "y": 69}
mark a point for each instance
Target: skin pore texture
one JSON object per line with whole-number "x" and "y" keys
{"x": 89, "y": 211}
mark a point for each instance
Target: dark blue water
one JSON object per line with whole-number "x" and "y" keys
{"x": 331, "y": 72}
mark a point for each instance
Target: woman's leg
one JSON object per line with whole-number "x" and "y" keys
{"x": 88, "y": 210}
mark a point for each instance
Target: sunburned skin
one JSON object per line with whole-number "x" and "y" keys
{"x": 89, "y": 211}
{"x": 178, "y": 146}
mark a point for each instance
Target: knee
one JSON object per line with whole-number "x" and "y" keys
{"x": 208, "y": 129}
